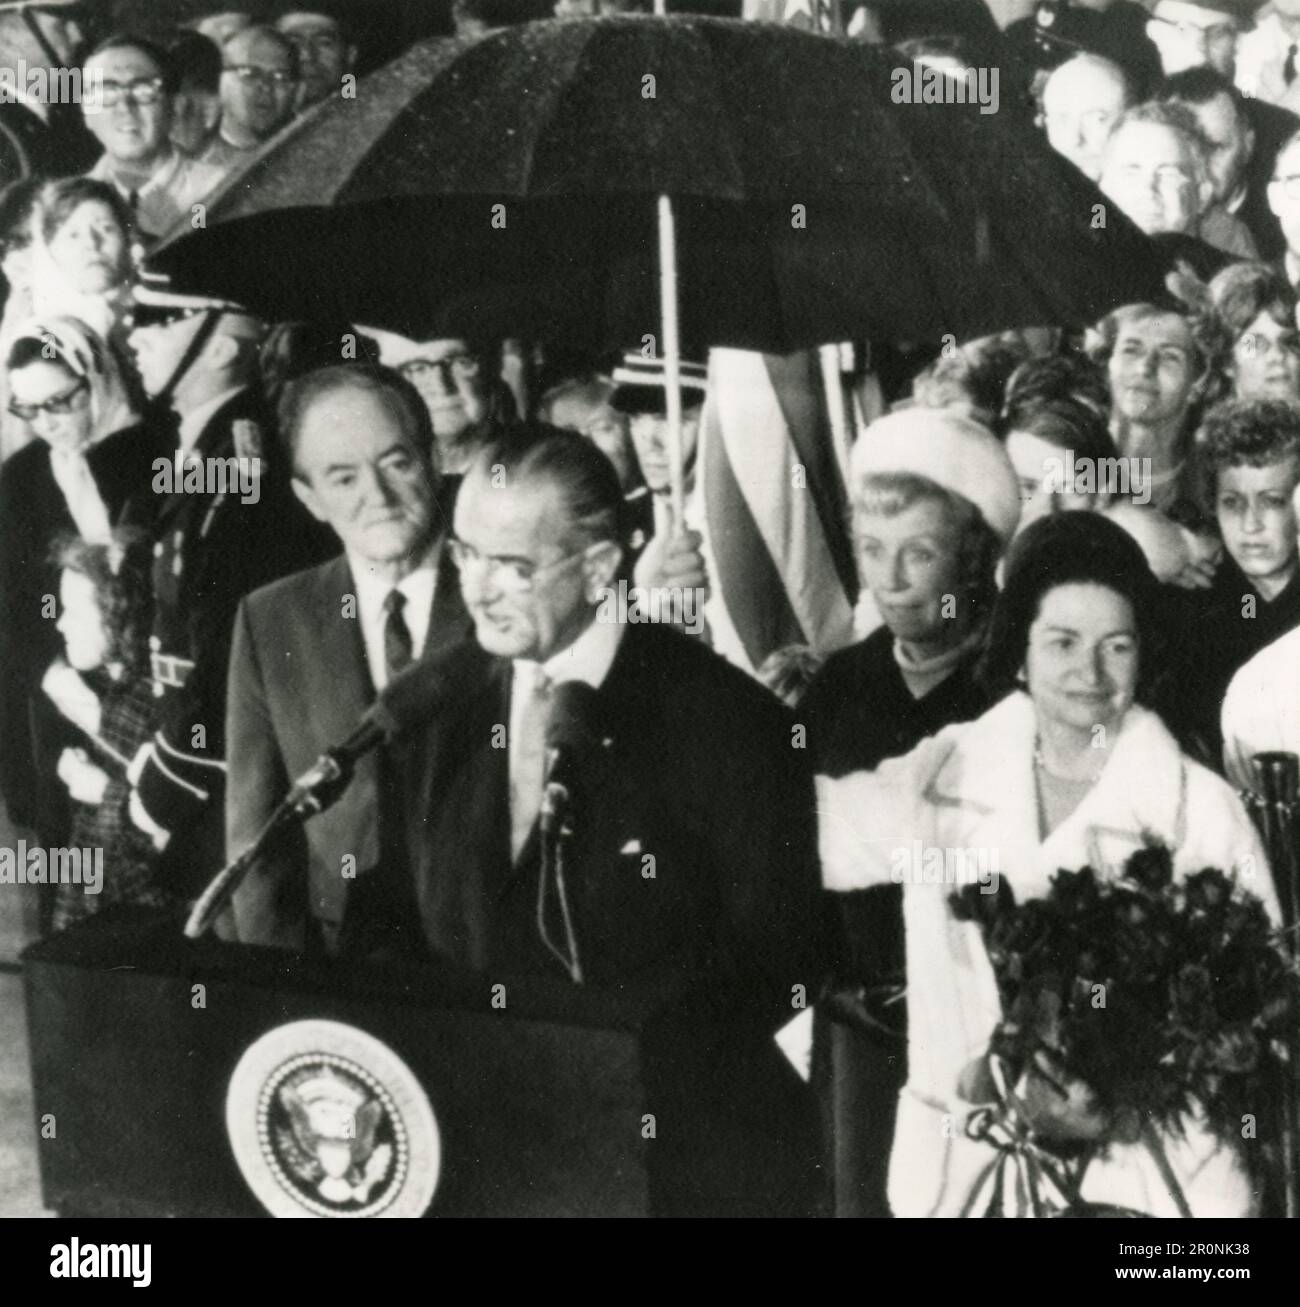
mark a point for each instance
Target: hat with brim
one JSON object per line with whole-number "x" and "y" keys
{"x": 957, "y": 453}
{"x": 641, "y": 385}
{"x": 153, "y": 301}
{"x": 394, "y": 350}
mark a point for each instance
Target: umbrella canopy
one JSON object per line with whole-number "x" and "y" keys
{"x": 510, "y": 177}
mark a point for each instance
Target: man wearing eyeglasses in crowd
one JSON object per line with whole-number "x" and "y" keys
{"x": 467, "y": 404}
{"x": 259, "y": 85}
{"x": 37, "y": 137}
{"x": 325, "y": 55}
{"x": 691, "y": 862}
{"x": 311, "y": 651}
{"x": 130, "y": 112}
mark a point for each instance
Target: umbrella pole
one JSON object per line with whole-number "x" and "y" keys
{"x": 672, "y": 354}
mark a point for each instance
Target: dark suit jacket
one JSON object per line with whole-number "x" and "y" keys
{"x": 33, "y": 513}
{"x": 693, "y": 859}
{"x": 698, "y": 783}
{"x": 298, "y": 684}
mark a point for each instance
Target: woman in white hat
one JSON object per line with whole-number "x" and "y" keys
{"x": 935, "y": 500}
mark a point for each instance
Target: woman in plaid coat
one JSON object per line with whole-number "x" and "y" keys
{"x": 103, "y": 687}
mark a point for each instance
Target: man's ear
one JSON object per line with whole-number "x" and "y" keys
{"x": 308, "y": 498}
{"x": 600, "y": 567}
{"x": 1204, "y": 195}
{"x": 220, "y": 352}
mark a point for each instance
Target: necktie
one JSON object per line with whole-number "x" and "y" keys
{"x": 528, "y": 758}
{"x": 397, "y": 635}
{"x": 1288, "y": 67}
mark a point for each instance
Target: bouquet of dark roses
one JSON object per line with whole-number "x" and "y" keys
{"x": 1128, "y": 1004}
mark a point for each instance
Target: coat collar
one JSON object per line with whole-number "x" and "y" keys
{"x": 988, "y": 781}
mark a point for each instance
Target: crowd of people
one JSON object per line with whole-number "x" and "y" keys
{"x": 1077, "y": 555}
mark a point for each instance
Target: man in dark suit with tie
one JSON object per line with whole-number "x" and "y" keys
{"x": 311, "y": 650}
{"x": 692, "y": 858}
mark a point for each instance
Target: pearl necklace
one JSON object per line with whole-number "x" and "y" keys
{"x": 1041, "y": 764}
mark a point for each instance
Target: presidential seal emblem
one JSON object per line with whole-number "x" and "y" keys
{"x": 325, "y": 1120}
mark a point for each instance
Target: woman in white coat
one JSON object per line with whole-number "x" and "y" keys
{"x": 1067, "y": 770}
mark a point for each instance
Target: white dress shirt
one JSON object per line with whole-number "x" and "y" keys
{"x": 372, "y": 590}
{"x": 587, "y": 659}
{"x": 175, "y": 185}
{"x": 1261, "y": 711}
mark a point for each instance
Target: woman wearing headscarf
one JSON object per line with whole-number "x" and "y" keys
{"x": 1067, "y": 770}
{"x": 88, "y": 456}
{"x": 935, "y": 500}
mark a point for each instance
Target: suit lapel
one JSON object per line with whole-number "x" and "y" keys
{"x": 349, "y": 686}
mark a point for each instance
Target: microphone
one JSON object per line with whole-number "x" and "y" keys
{"x": 419, "y": 693}
{"x": 571, "y": 734}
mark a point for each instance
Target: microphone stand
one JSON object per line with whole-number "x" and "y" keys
{"x": 312, "y": 793}
{"x": 1275, "y": 806}
{"x": 556, "y": 830}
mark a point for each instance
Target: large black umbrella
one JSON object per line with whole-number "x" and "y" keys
{"x": 918, "y": 220}
{"x": 515, "y": 176}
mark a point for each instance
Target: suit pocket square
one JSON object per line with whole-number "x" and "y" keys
{"x": 632, "y": 846}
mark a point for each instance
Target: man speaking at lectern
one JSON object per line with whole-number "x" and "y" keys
{"x": 692, "y": 852}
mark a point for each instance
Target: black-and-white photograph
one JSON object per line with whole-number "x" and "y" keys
{"x": 650, "y": 608}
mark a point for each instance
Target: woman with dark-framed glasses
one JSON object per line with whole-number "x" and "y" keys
{"x": 88, "y": 455}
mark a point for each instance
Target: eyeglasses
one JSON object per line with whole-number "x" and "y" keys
{"x": 461, "y": 364}
{"x": 143, "y": 91}
{"x": 252, "y": 75}
{"x": 512, "y": 575}
{"x": 55, "y": 406}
